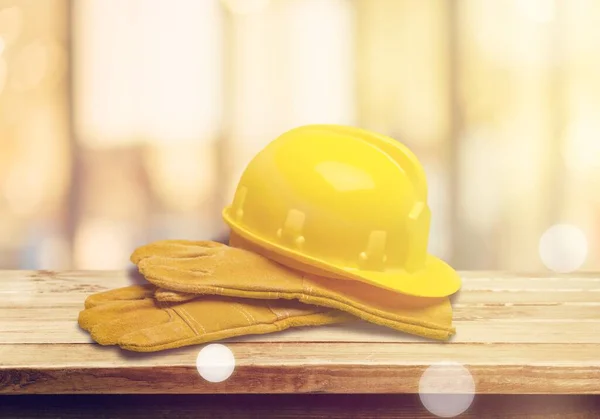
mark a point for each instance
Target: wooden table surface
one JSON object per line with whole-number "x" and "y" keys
{"x": 516, "y": 334}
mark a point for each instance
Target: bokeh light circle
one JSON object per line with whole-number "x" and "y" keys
{"x": 563, "y": 248}
{"x": 215, "y": 363}
{"x": 446, "y": 389}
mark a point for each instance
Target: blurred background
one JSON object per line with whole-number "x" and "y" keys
{"x": 127, "y": 121}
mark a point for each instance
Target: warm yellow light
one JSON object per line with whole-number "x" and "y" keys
{"x": 563, "y": 248}
{"x": 540, "y": 11}
{"x": 54, "y": 253}
{"x": 147, "y": 71}
{"x": 3, "y": 73}
{"x": 11, "y": 22}
{"x": 243, "y": 7}
{"x": 481, "y": 182}
{"x": 293, "y": 65}
{"x": 102, "y": 244}
{"x": 320, "y": 56}
{"x": 582, "y": 145}
{"x": 23, "y": 189}
{"x": 182, "y": 175}
{"x": 30, "y": 66}
{"x": 38, "y": 171}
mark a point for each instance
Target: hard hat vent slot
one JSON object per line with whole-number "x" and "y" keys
{"x": 374, "y": 257}
{"x": 291, "y": 232}
{"x": 238, "y": 202}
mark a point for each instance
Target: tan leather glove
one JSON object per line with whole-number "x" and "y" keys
{"x": 131, "y": 318}
{"x": 182, "y": 267}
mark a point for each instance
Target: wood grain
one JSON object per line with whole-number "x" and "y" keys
{"x": 516, "y": 333}
{"x": 485, "y": 331}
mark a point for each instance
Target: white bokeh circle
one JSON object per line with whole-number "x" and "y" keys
{"x": 446, "y": 389}
{"x": 563, "y": 248}
{"x": 215, "y": 363}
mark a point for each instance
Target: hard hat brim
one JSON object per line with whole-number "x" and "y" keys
{"x": 435, "y": 280}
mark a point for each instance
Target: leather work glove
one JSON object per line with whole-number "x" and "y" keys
{"x": 183, "y": 268}
{"x": 131, "y": 318}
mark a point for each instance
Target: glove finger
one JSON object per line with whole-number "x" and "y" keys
{"x": 286, "y": 308}
{"x": 194, "y": 322}
{"x": 174, "y": 278}
{"x": 162, "y": 294}
{"x": 174, "y": 249}
{"x": 160, "y": 336}
{"x": 110, "y": 330}
{"x": 90, "y": 317}
{"x": 200, "y": 265}
{"x": 131, "y": 293}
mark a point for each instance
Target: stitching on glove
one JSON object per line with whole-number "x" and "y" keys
{"x": 189, "y": 320}
{"x": 320, "y": 300}
{"x": 272, "y": 311}
{"x": 246, "y": 311}
{"x": 243, "y": 313}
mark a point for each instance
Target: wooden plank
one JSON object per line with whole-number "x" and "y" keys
{"x": 481, "y": 275}
{"x": 472, "y": 298}
{"x": 305, "y": 353}
{"x": 31, "y": 289}
{"x": 542, "y": 298}
{"x": 508, "y": 311}
{"x": 482, "y": 331}
{"x": 330, "y": 406}
{"x": 299, "y": 368}
{"x": 73, "y": 288}
{"x": 529, "y": 285}
{"x": 43, "y": 281}
{"x": 515, "y": 333}
{"x": 461, "y": 312}
{"x": 72, "y": 301}
{"x": 467, "y": 332}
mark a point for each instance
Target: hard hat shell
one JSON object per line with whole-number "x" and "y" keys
{"x": 342, "y": 202}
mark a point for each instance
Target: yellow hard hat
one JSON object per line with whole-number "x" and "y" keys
{"x": 342, "y": 202}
